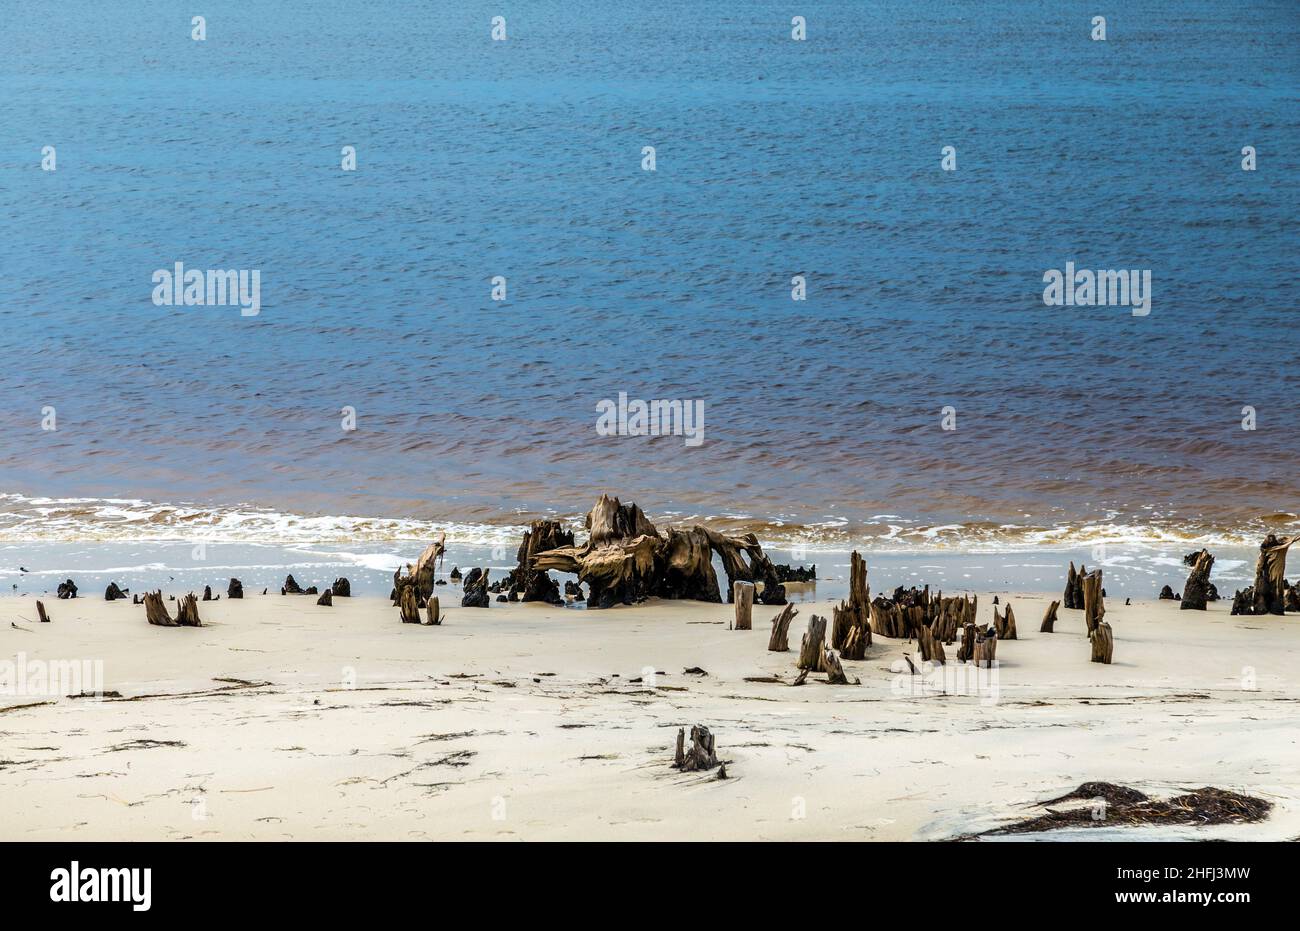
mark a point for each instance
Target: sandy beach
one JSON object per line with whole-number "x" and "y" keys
{"x": 282, "y": 719}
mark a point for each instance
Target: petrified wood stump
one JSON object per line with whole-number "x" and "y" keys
{"x": 813, "y": 644}
{"x": 1073, "y": 597}
{"x": 1103, "y": 643}
{"x": 1196, "y": 591}
{"x": 779, "y": 642}
{"x": 743, "y": 598}
{"x": 1049, "y": 618}
{"x": 701, "y": 756}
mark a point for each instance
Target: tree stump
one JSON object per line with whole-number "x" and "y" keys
{"x": 475, "y": 590}
{"x": 532, "y": 583}
{"x": 435, "y": 613}
{"x": 40, "y": 613}
{"x": 834, "y": 671}
{"x": 1073, "y": 597}
{"x": 813, "y": 644}
{"x": 156, "y": 613}
{"x": 1005, "y": 624}
{"x": 341, "y": 588}
{"x": 1270, "y": 572}
{"x": 779, "y": 642}
{"x": 1197, "y": 589}
{"x": 1103, "y": 643}
{"x": 409, "y": 605}
{"x": 700, "y": 756}
{"x": 207, "y": 593}
{"x": 326, "y": 598}
{"x": 931, "y": 647}
{"x": 235, "y": 589}
{"x": 1093, "y": 608}
{"x": 1049, "y": 618}
{"x": 112, "y": 593}
{"x": 966, "y": 652}
{"x": 67, "y": 589}
{"x": 986, "y": 648}
{"x": 743, "y": 596}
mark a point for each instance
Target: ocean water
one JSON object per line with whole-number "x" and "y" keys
{"x": 775, "y": 158}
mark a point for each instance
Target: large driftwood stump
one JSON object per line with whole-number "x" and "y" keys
{"x": 1270, "y": 575}
{"x": 290, "y": 586}
{"x": 1005, "y": 624}
{"x": 743, "y": 598}
{"x": 409, "y": 605}
{"x": 1103, "y": 643}
{"x": 1073, "y": 597}
{"x": 813, "y": 644}
{"x": 531, "y": 583}
{"x": 326, "y": 598}
{"x": 779, "y": 642}
{"x": 966, "y": 652}
{"x": 1196, "y": 591}
{"x": 930, "y": 646}
{"x": 1049, "y": 618}
{"x": 986, "y": 648}
{"x": 434, "y": 613}
{"x": 426, "y": 567}
{"x": 40, "y": 613}
{"x": 626, "y": 560}
{"x": 476, "y": 589}
{"x": 851, "y": 621}
{"x": 112, "y": 593}
{"x": 235, "y": 589}
{"x": 700, "y": 756}
{"x": 156, "y": 613}
{"x": 1093, "y": 608}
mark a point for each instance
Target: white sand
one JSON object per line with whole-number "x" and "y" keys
{"x": 511, "y": 723}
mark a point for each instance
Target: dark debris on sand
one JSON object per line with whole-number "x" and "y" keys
{"x": 1129, "y": 807}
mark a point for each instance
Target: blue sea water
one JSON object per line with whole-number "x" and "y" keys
{"x": 775, "y": 158}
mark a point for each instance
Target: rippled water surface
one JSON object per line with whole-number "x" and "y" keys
{"x": 775, "y": 158}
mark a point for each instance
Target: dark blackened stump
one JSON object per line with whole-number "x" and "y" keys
{"x": 779, "y": 642}
{"x": 235, "y": 589}
{"x": 1073, "y": 597}
{"x": 1049, "y": 618}
{"x": 535, "y": 584}
{"x": 1197, "y": 589}
{"x": 112, "y": 593}
{"x": 341, "y": 588}
{"x": 1167, "y": 594}
{"x": 701, "y": 756}
{"x": 40, "y": 613}
{"x": 207, "y": 593}
{"x": 476, "y": 590}
{"x": 1270, "y": 575}
{"x": 326, "y": 598}
{"x": 986, "y": 648}
{"x": 67, "y": 589}
{"x": 290, "y": 586}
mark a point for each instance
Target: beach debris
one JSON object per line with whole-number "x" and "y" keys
{"x": 290, "y": 586}
{"x": 40, "y": 613}
{"x": 626, "y": 560}
{"x": 907, "y": 610}
{"x": 1167, "y": 594}
{"x": 1110, "y": 805}
{"x": 112, "y": 593}
{"x": 786, "y": 573}
{"x": 207, "y": 593}
{"x": 135, "y": 599}
{"x": 475, "y": 589}
{"x": 312, "y": 590}
{"x": 409, "y": 605}
{"x": 995, "y": 599}
{"x": 265, "y": 590}
{"x": 701, "y": 756}
{"x": 503, "y": 598}
{"x": 341, "y": 588}
{"x": 1005, "y": 624}
{"x": 834, "y": 671}
{"x": 156, "y": 613}
{"x": 1196, "y": 591}
{"x": 1073, "y": 597}
{"x": 235, "y": 589}
{"x": 1049, "y": 618}
{"x": 813, "y": 645}
{"x": 779, "y": 641}
{"x": 1093, "y": 607}
{"x": 1103, "y": 643}
{"x": 326, "y": 598}
{"x": 68, "y": 589}
{"x": 743, "y": 598}
{"x": 907, "y": 658}
{"x": 573, "y": 592}
{"x": 455, "y": 574}
{"x": 435, "y": 616}
{"x": 986, "y": 648}
{"x": 851, "y": 620}
{"x": 694, "y": 671}
{"x": 1128, "y": 601}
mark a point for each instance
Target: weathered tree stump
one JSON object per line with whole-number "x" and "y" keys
{"x": 851, "y": 621}
{"x": 67, "y": 589}
{"x": 156, "y": 613}
{"x": 207, "y": 593}
{"x": 743, "y": 598}
{"x": 1049, "y": 618}
{"x": 409, "y": 605}
{"x": 434, "y": 613}
{"x": 475, "y": 590}
{"x": 834, "y": 671}
{"x": 1073, "y": 597}
{"x": 535, "y": 584}
{"x": 701, "y": 756}
{"x": 779, "y": 642}
{"x": 112, "y": 593}
{"x": 1196, "y": 591}
{"x": 341, "y": 588}
{"x": 235, "y": 589}
{"x": 931, "y": 647}
{"x": 326, "y": 598}
{"x": 1005, "y": 624}
{"x": 40, "y": 613}
{"x": 1270, "y": 575}
{"x": 986, "y": 648}
{"x": 1103, "y": 643}
{"x": 1093, "y": 608}
{"x": 813, "y": 644}
{"x": 966, "y": 651}
{"x": 290, "y": 586}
